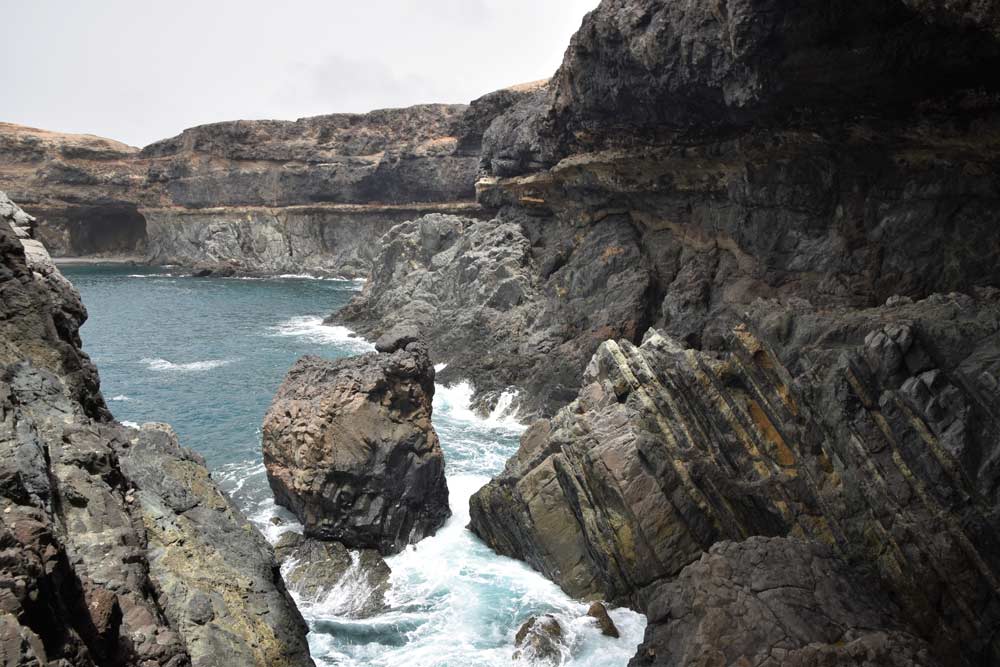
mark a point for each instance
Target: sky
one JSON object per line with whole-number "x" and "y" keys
{"x": 139, "y": 71}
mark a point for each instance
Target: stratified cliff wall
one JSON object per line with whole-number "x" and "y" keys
{"x": 117, "y": 547}
{"x": 784, "y": 213}
{"x": 688, "y": 158}
{"x": 270, "y": 196}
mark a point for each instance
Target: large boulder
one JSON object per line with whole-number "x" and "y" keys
{"x": 350, "y": 449}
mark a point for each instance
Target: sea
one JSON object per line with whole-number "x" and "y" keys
{"x": 206, "y": 355}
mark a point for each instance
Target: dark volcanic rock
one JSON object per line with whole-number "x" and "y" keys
{"x": 350, "y": 449}
{"x": 775, "y": 601}
{"x": 262, "y": 196}
{"x": 873, "y": 430}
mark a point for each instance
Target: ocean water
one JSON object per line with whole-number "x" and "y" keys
{"x": 207, "y": 355}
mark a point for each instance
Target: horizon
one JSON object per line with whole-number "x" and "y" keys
{"x": 80, "y": 84}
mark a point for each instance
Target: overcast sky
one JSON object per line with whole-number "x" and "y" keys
{"x": 138, "y": 71}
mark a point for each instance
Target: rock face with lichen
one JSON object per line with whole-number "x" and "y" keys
{"x": 350, "y": 449}
{"x": 873, "y": 431}
{"x": 118, "y": 547}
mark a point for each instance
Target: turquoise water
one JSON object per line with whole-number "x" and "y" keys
{"x": 207, "y": 354}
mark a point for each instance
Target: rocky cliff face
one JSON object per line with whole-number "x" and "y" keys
{"x": 350, "y": 449}
{"x": 272, "y": 196}
{"x": 689, "y": 158}
{"x": 874, "y": 431}
{"x": 118, "y": 548}
{"x": 790, "y": 208}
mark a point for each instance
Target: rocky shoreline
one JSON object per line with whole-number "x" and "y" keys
{"x": 740, "y": 260}
{"x": 119, "y": 548}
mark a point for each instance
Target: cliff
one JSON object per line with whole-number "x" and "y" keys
{"x": 118, "y": 548}
{"x": 687, "y": 159}
{"x": 269, "y": 196}
{"x": 783, "y": 214}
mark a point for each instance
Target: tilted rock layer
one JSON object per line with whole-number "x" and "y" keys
{"x": 117, "y": 547}
{"x": 874, "y": 431}
{"x": 350, "y": 449}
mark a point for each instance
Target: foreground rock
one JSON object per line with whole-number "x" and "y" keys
{"x": 873, "y": 430}
{"x": 350, "y": 585}
{"x": 350, "y": 449}
{"x": 776, "y": 601}
{"x": 117, "y": 547}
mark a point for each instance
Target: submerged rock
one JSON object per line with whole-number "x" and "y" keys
{"x": 540, "y": 641}
{"x": 350, "y": 449}
{"x": 354, "y": 583}
{"x": 599, "y": 612}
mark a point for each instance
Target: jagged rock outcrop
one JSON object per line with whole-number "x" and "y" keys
{"x": 775, "y": 601}
{"x": 689, "y": 158}
{"x": 502, "y": 310}
{"x": 875, "y": 431}
{"x": 261, "y": 196}
{"x": 350, "y": 449}
{"x": 117, "y": 547}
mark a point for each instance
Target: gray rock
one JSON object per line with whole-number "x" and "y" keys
{"x": 118, "y": 547}
{"x": 775, "y": 601}
{"x": 350, "y": 449}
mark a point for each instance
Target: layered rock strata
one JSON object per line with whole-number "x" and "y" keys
{"x": 350, "y": 449}
{"x": 874, "y": 431}
{"x": 689, "y": 158}
{"x": 118, "y": 548}
{"x": 259, "y": 196}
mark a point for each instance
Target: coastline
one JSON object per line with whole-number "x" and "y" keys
{"x": 116, "y": 259}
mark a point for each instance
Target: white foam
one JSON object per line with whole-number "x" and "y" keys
{"x": 164, "y": 365}
{"x": 120, "y": 397}
{"x": 455, "y": 402}
{"x": 130, "y": 424}
{"x": 151, "y": 275}
{"x": 440, "y": 367}
{"x": 312, "y": 329}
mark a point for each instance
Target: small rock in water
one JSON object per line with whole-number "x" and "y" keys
{"x": 276, "y": 521}
{"x": 600, "y": 612}
{"x": 539, "y": 641}
{"x": 320, "y": 566}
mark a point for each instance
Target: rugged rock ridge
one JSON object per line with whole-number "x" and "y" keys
{"x": 689, "y": 158}
{"x": 874, "y": 431}
{"x": 118, "y": 549}
{"x": 275, "y": 196}
{"x": 350, "y": 449}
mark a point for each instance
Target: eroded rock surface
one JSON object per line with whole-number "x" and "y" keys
{"x": 350, "y": 449}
